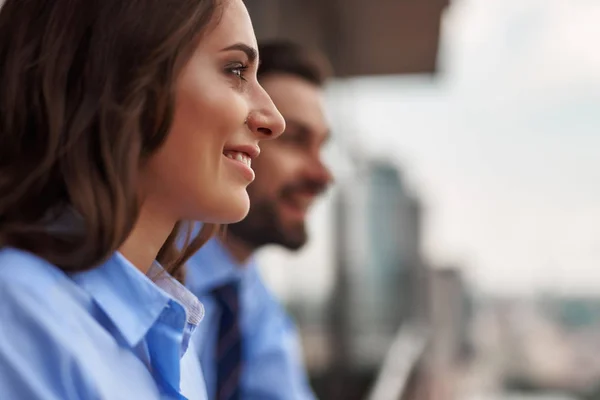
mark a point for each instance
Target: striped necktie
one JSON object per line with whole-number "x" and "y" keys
{"x": 228, "y": 353}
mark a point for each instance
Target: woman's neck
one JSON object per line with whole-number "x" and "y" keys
{"x": 147, "y": 237}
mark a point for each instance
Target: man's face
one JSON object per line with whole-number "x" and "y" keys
{"x": 289, "y": 172}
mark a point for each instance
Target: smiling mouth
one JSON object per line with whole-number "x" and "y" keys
{"x": 239, "y": 156}
{"x": 299, "y": 202}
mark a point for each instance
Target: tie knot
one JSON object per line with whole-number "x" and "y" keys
{"x": 228, "y": 296}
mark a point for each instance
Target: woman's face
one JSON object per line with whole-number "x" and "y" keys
{"x": 221, "y": 114}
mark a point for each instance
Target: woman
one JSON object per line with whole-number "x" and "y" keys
{"x": 119, "y": 120}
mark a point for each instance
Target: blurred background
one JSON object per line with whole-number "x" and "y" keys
{"x": 458, "y": 255}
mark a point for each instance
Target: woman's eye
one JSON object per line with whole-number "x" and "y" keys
{"x": 238, "y": 70}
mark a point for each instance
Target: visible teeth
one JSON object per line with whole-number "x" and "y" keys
{"x": 238, "y": 156}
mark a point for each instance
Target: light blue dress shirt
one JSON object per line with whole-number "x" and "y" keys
{"x": 273, "y": 368}
{"x": 108, "y": 333}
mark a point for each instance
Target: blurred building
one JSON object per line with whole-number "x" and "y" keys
{"x": 379, "y": 274}
{"x": 380, "y": 237}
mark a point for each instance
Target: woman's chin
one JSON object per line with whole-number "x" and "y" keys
{"x": 236, "y": 216}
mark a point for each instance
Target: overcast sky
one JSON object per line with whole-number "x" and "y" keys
{"x": 503, "y": 147}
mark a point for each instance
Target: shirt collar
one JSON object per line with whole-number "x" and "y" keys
{"x": 131, "y": 299}
{"x": 193, "y": 308}
{"x": 213, "y": 266}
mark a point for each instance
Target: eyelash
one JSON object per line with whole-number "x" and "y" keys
{"x": 238, "y": 70}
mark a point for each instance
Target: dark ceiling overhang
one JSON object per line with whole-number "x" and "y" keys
{"x": 360, "y": 37}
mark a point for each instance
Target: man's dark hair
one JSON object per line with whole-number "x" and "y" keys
{"x": 285, "y": 57}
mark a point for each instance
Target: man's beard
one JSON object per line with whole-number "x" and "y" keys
{"x": 263, "y": 226}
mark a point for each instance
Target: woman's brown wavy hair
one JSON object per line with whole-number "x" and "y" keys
{"x": 87, "y": 93}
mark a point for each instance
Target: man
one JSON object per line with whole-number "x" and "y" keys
{"x": 247, "y": 344}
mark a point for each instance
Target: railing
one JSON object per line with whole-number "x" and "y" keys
{"x": 404, "y": 355}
